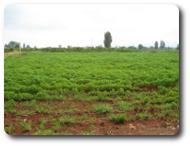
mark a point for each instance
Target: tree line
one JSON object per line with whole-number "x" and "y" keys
{"x": 13, "y": 45}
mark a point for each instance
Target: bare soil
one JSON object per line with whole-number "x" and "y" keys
{"x": 92, "y": 124}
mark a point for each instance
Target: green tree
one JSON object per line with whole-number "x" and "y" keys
{"x": 156, "y": 45}
{"x": 107, "y": 40}
{"x": 24, "y": 46}
{"x": 6, "y": 46}
{"x": 162, "y": 44}
{"x": 28, "y": 46}
{"x": 140, "y": 46}
{"x": 13, "y": 45}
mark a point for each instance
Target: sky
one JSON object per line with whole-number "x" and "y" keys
{"x": 44, "y": 25}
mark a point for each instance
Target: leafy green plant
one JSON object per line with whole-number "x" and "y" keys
{"x": 9, "y": 95}
{"x": 102, "y": 98}
{"x": 113, "y": 81}
{"x": 67, "y": 120}
{"x": 118, "y": 118}
{"x": 44, "y": 132}
{"x": 56, "y": 124}
{"x": 41, "y": 95}
{"x": 42, "y": 124}
{"x": 40, "y": 109}
{"x": 32, "y": 104}
{"x": 23, "y": 96}
{"x": 9, "y": 129}
{"x": 26, "y": 126}
{"x": 102, "y": 108}
{"x": 10, "y": 106}
{"x": 125, "y": 106}
{"x": 143, "y": 116}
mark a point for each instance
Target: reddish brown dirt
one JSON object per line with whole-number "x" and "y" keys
{"x": 94, "y": 124}
{"x": 150, "y": 127}
{"x": 148, "y": 88}
{"x": 102, "y": 126}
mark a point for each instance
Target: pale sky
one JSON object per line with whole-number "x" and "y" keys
{"x": 45, "y": 25}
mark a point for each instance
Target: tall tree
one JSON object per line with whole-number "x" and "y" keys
{"x": 107, "y": 40}
{"x": 140, "y": 46}
{"x": 162, "y": 44}
{"x": 24, "y": 46}
{"x": 28, "y": 46}
{"x": 13, "y": 45}
{"x": 156, "y": 45}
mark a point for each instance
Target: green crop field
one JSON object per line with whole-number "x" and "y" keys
{"x": 92, "y": 93}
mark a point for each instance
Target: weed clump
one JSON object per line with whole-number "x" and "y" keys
{"x": 102, "y": 108}
{"x": 143, "y": 116}
{"x": 26, "y": 126}
{"x": 118, "y": 119}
